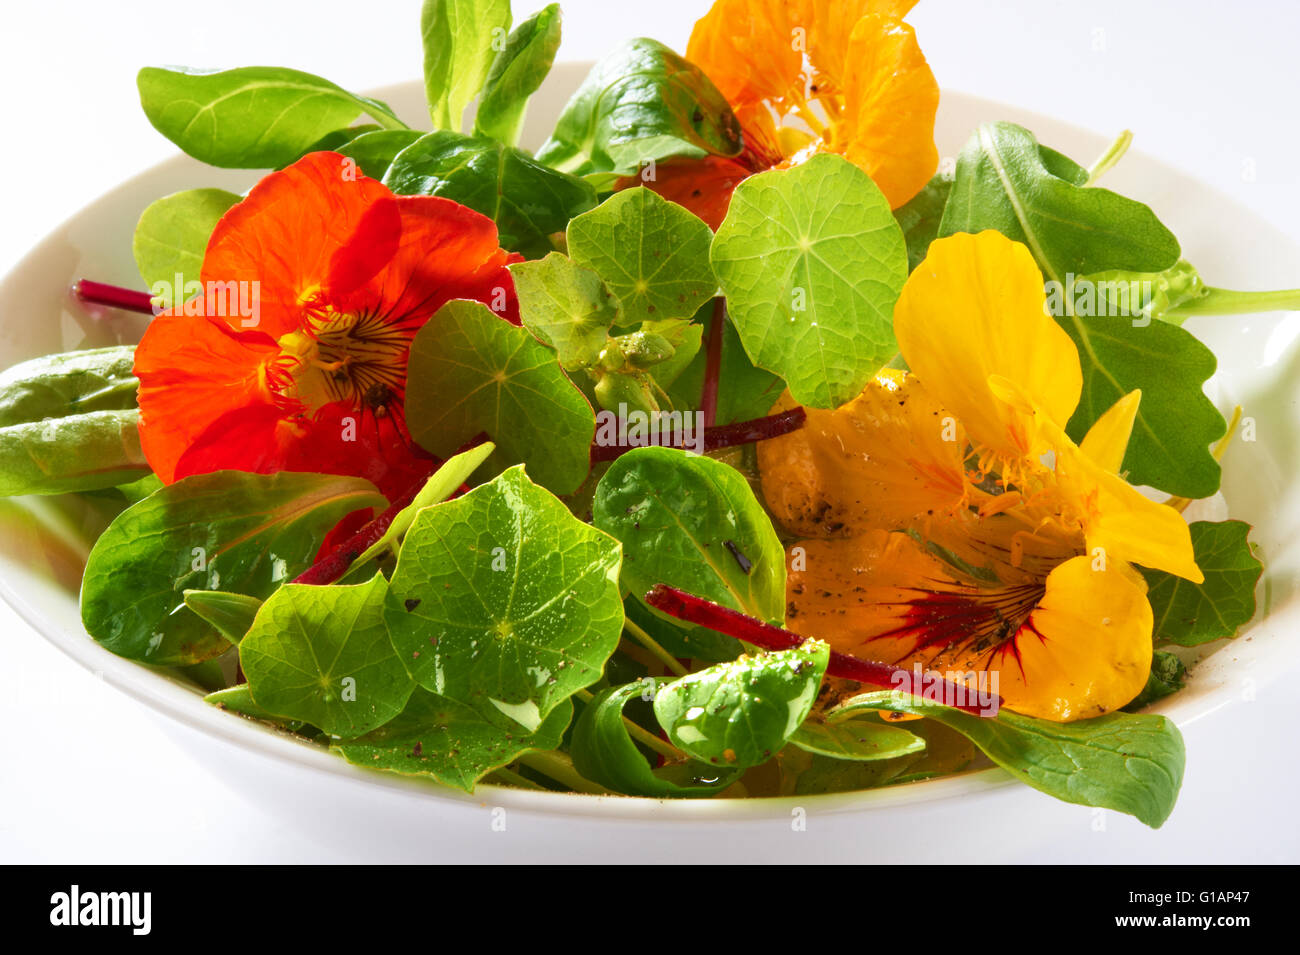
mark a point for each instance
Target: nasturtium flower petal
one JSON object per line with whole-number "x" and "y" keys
{"x": 1107, "y": 439}
{"x": 971, "y": 310}
{"x": 890, "y": 98}
{"x": 827, "y": 27}
{"x": 748, "y": 49}
{"x": 890, "y": 458}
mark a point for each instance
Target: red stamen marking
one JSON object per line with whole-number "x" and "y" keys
{"x": 706, "y": 613}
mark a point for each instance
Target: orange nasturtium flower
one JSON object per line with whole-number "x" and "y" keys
{"x": 805, "y": 76}
{"x": 950, "y": 522}
{"x": 342, "y": 274}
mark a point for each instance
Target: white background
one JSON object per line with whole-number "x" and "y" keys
{"x": 88, "y": 775}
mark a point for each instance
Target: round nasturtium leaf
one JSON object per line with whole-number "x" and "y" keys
{"x": 811, "y": 261}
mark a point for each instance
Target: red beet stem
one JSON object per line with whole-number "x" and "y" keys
{"x": 336, "y": 563}
{"x": 114, "y": 296}
{"x": 713, "y": 364}
{"x": 706, "y": 613}
{"x": 721, "y": 436}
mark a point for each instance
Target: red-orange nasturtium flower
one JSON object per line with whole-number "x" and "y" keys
{"x": 805, "y": 76}
{"x": 343, "y": 274}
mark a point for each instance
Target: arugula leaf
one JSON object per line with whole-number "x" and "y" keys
{"x": 461, "y": 38}
{"x": 1006, "y": 181}
{"x": 515, "y": 75}
{"x": 455, "y": 744}
{"x": 1166, "y": 677}
{"x": 676, "y": 513}
{"x": 228, "y": 530}
{"x": 741, "y": 712}
{"x": 471, "y": 372}
{"x": 604, "y": 752}
{"x": 254, "y": 117}
{"x": 97, "y": 379}
{"x": 77, "y": 452}
{"x": 504, "y": 601}
{"x": 237, "y": 699}
{"x": 375, "y": 151}
{"x": 1132, "y": 763}
{"x": 812, "y": 260}
{"x": 1190, "y": 614}
{"x": 232, "y": 614}
{"x": 322, "y": 655}
{"x": 566, "y": 306}
{"x": 652, "y": 254}
{"x": 858, "y": 740}
{"x": 745, "y": 391}
{"x": 172, "y": 236}
{"x": 641, "y": 103}
{"x": 527, "y": 201}
{"x": 1176, "y": 422}
{"x": 919, "y": 218}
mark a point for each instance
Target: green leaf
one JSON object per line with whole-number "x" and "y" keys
{"x": 919, "y": 218}
{"x": 504, "y": 601}
{"x": 471, "y": 372}
{"x": 53, "y": 386}
{"x": 78, "y": 452}
{"x": 1191, "y": 614}
{"x": 246, "y": 533}
{"x": 461, "y": 38}
{"x": 651, "y": 253}
{"x": 322, "y": 655}
{"x": 1166, "y": 677}
{"x": 172, "y": 236}
{"x": 1122, "y": 761}
{"x": 528, "y": 201}
{"x": 856, "y": 740}
{"x": 686, "y": 339}
{"x": 745, "y": 391}
{"x": 441, "y": 484}
{"x": 232, "y": 614}
{"x": 685, "y": 641}
{"x": 237, "y": 699}
{"x": 641, "y": 103}
{"x": 676, "y": 513}
{"x": 455, "y": 744}
{"x": 741, "y": 712}
{"x": 375, "y": 151}
{"x": 1176, "y": 422}
{"x": 254, "y": 117}
{"x": 1004, "y": 182}
{"x": 566, "y": 306}
{"x": 603, "y": 751}
{"x": 812, "y": 260}
{"x": 515, "y": 75}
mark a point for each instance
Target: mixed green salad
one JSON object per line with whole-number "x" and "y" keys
{"x": 728, "y": 445}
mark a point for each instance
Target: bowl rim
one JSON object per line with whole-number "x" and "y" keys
{"x": 168, "y": 695}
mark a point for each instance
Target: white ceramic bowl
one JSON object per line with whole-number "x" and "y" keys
{"x": 982, "y": 814}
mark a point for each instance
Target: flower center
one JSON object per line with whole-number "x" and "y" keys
{"x": 336, "y": 356}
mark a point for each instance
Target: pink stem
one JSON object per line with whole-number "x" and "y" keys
{"x": 114, "y": 296}
{"x": 706, "y": 613}
{"x": 721, "y": 436}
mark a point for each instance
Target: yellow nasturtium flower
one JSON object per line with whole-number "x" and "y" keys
{"x": 950, "y": 521}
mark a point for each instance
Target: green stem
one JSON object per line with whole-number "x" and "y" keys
{"x": 1222, "y": 301}
{"x": 651, "y": 644}
{"x": 508, "y": 777}
{"x": 558, "y": 766}
{"x": 1107, "y": 160}
{"x": 642, "y": 735}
